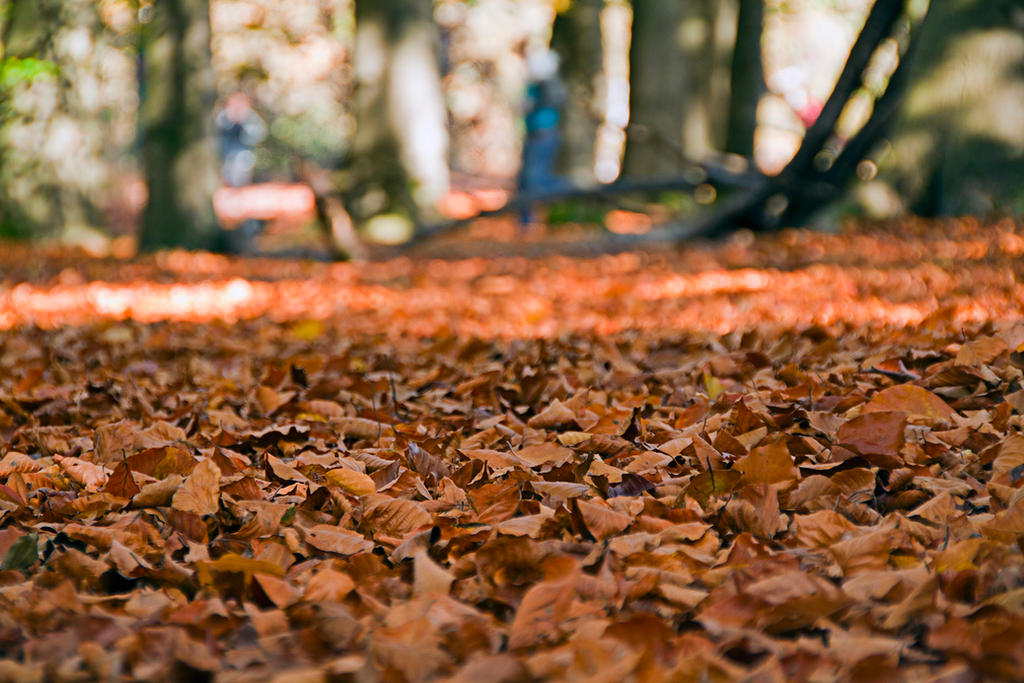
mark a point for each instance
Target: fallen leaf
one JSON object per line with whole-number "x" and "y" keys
{"x": 334, "y": 540}
{"x": 879, "y": 434}
{"x": 917, "y": 402}
{"x": 557, "y": 414}
{"x": 601, "y": 521}
{"x": 767, "y": 465}
{"x": 356, "y": 483}
{"x": 394, "y": 517}
{"x": 428, "y": 577}
{"x": 200, "y": 492}
{"x": 328, "y": 585}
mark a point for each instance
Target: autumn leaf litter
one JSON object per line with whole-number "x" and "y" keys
{"x": 320, "y": 500}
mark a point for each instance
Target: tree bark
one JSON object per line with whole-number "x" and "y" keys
{"x": 576, "y": 37}
{"x": 178, "y": 147}
{"x": 35, "y": 199}
{"x": 958, "y": 143}
{"x": 746, "y": 82}
{"x": 397, "y": 168}
{"x": 670, "y": 63}
{"x": 657, "y": 88}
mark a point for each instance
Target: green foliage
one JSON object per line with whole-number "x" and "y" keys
{"x": 575, "y": 212}
{"x": 16, "y": 70}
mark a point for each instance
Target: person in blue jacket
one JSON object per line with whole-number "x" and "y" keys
{"x": 545, "y": 97}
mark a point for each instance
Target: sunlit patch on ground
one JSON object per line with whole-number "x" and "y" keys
{"x": 953, "y": 274}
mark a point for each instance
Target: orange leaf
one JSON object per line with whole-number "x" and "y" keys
{"x": 767, "y": 465}
{"x": 351, "y": 481}
{"x": 394, "y": 517}
{"x": 876, "y": 434}
{"x": 545, "y": 454}
{"x": 544, "y": 607}
{"x": 916, "y": 401}
{"x": 980, "y": 351}
{"x": 158, "y": 493}
{"x": 1008, "y": 525}
{"x": 201, "y": 491}
{"x": 555, "y": 415}
{"x": 332, "y": 539}
{"x": 602, "y": 522}
{"x": 88, "y": 474}
{"x": 329, "y": 585}
{"x": 279, "y": 591}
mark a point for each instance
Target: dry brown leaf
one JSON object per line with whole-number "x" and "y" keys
{"x": 767, "y": 465}
{"x": 980, "y": 351}
{"x": 360, "y": 427}
{"x": 543, "y": 608}
{"x": 394, "y": 517}
{"x": 428, "y": 577}
{"x": 200, "y": 492}
{"x": 331, "y": 539}
{"x": 279, "y": 591}
{"x": 1008, "y": 525}
{"x": 545, "y": 454}
{"x": 88, "y": 474}
{"x": 328, "y": 585}
{"x": 876, "y": 435}
{"x": 283, "y": 470}
{"x": 602, "y": 522}
{"x": 356, "y": 483}
{"x": 917, "y": 402}
{"x": 158, "y": 493}
{"x": 557, "y": 414}
{"x": 114, "y": 440}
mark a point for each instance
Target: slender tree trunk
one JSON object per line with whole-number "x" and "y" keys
{"x": 179, "y": 153}
{"x": 39, "y": 196}
{"x": 670, "y": 64}
{"x": 698, "y": 39}
{"x": 576, "y": 37}
{"x": 398, "y": 163}
{"x": 746, "y": 78}
{"x": 657, "y": 88}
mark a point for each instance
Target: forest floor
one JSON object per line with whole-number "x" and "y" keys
{"x": 784, "y": 457}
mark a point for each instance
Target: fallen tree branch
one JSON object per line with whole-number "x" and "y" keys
{"x": 710, "y": 172}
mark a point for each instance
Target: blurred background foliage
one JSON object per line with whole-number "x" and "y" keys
{"x": 70, "y": 96}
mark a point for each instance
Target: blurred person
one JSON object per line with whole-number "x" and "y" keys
{"x": 545, "y": 96}
{"x": 239, "y": 129}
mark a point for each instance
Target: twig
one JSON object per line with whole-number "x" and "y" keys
{"x": 373, "y": 404}
{"x": 891, "y": 374}
{"x": 391, "y": 381}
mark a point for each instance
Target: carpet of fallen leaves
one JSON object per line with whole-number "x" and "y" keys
{"x": 785, "y": 458}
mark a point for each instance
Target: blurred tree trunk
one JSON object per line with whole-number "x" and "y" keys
{"x": 699, "y": 49}
{"x": 576, "y": 37}
{"x": 178, "y": 147}
{"x": 28, "y": 25}
{"x": 398, "y": 163}
{"x": 25, "y": 51}
{"x": 746, "y": 81}
{"x": 958, "y": 144}
{"x": 657, "y": 88}
{"x": 670, "y": 63}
